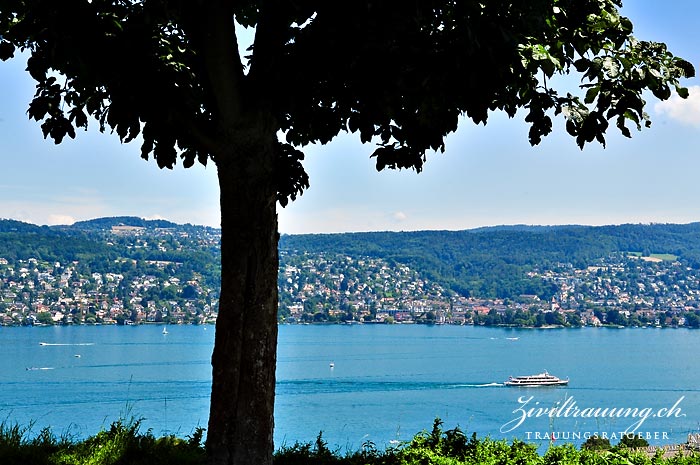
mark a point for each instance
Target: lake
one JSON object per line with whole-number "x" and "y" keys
{"x": 387, "y": 382}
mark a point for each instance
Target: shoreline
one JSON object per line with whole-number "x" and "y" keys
{"x": 357, "y": 323}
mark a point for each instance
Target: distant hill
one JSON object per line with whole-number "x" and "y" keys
{"x": 485, "y": 262}
{"x": 9, "y": 225}
{"x": 20, "y": 226}
{"x": 524, "y": 227}
{"x": 107, "y": 223}
{"x": 86, "y": 241}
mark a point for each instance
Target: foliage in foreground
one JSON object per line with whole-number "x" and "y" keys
{"x": 123, "y": 444}
{"x": 453, "y": 447}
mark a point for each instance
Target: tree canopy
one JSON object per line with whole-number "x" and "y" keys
{"x": 398, "y": 73}
{"x": 319, "y": 68}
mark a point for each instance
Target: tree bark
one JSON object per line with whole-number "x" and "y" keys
{"x": 241, "y": 418}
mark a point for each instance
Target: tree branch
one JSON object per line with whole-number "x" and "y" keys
{"x": 271, "y": 35}
{"x": 222, "y": 62}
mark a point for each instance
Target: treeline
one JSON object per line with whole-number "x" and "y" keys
{"x": 528, "y": 319}
{"x": 53, "y": 246}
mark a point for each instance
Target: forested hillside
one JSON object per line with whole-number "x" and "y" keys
{"x": 128, "y": 269}
{"x": 112, "y": 270}
{"x": 494, "y": 262}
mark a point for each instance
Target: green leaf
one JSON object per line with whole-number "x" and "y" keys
{"x": 582, "y": 64}
{"x": 188, "y": 158}
{"x": 591, "y": 94}
{"x": 77, "y": 116}
{"x": 682, "y": 92}
{"x": 611, "y": 67}
{"x": 203, "y": 158}
{"x": 621, "y": 126}
{"x": 7, "y": 50}
{"x": 626, "y": 25}
{"x": 686, "y": 67}
{"x": 632, "y": 116}
{"x": 594, "y": 68}
{"x": 539, "y": 52}
{"x": 662, "y": 92}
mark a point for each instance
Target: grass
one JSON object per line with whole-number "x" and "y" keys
{"x": 667, "y": 257}
{"x": 124, "y": 444}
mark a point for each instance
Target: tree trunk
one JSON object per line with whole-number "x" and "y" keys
{"x": 241, "y": 415}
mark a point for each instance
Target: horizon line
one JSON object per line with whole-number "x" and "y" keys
{"x": 436, "y": 229}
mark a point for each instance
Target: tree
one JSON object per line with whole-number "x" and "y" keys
{"x": 189, "y": 292}
{"x": 44, "y": 318}
{"x": 397, "y": 73}
{"x": 614, "y": 317}
{"x": 692, "y": 320}
{"x": 632, "y": 441}
{"x": 596, "y": 443}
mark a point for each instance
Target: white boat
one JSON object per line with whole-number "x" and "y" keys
{"x": 541, "y": 379}
{"x": 165, "y": 330}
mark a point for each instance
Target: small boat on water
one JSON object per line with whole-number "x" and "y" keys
{"x": 541, "y": 379}
{"x": 165, "y": 330}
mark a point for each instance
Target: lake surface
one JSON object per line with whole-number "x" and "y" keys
{"x": 387, "y": 382}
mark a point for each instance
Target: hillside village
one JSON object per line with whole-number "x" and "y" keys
{"x": 114, "y": 288}
{"x": 621, "y": 290}
{"x": 131, "y": 274}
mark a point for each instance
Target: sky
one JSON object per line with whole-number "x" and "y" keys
{"x": 489, "y": 175}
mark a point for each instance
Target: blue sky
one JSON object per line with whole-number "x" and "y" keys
{"x": 487, "y": 176}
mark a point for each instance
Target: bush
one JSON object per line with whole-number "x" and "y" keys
{"x": 122, "y": 444}
{"x": 631, "y": 441}
{"x": 596, "y": 443}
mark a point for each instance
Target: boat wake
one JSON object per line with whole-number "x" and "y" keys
{"x": 65, "y": 344}
{"x": 316, "y": 386}
{"x": 482, "y": 385}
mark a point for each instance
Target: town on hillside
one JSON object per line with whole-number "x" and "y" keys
{"x": 123, "y": 271}
{"x": 619, "y": 290}
{"x": 125, "y": 275}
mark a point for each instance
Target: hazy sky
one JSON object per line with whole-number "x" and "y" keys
{"x": 487, "y": 176}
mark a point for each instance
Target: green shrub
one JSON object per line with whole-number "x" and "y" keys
{"x": 124, "y": 444}
{"x": 631, "y": 441}
{"x": 17, "y": 448}
{"x": 596, "y": 443}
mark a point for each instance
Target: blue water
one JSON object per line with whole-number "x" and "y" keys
{"x": 387, "y": 382}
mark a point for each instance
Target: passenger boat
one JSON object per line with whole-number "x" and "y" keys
{"x": 542, "y": 379}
